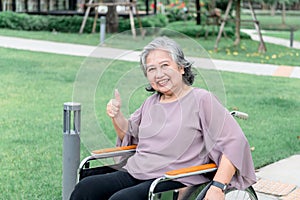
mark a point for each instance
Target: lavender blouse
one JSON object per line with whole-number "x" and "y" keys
{"x": 193, "y": 130}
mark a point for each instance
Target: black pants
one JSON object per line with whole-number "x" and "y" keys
{"x": 118, "y": 185}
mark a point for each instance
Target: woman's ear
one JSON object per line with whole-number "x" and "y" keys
{"x": 182, "y": 70}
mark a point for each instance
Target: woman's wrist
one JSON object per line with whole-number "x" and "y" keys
{"x": 216, "y": 189}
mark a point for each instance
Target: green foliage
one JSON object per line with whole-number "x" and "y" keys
{"x": 16, "y": 21}
{"x": 21, "y": 21}
{"x": 176, "y": 14}
{"x": 189, "y": 28}
{"x": 69, "y": 24}
{"x": 154, "y": 21}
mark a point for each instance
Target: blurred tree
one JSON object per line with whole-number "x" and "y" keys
{"x": 262, "y": 47}
{"x": 112, "y": 19}
{"x": 274, "y": 4}
{"x": 237, "y": 22}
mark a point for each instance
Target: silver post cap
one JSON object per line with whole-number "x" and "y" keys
{"x": 72, "y": 106}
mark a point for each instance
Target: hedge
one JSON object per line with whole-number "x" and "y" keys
{"x": 68, "y": 24}
{"x": 72, "y": 24}
{"x": 22, "y": 21}
{"x": 190, "y": 28}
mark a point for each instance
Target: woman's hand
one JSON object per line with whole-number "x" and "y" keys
{"x": 214, "y": 193}
{"x": 114, "y": 105}
{"x": 113, "y": 110}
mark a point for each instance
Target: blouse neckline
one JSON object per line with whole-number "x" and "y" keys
{"x": 176, "y": 100}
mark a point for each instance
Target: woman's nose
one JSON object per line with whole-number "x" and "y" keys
{"x": 159, "y": 72}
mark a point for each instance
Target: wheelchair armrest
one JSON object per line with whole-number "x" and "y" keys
{"x": 114, "y": 149}
{"x": 109, "y": 153}
{"x": 189, "y": 171}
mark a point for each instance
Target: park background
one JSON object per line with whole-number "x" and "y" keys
{"x": 35, "y": 85}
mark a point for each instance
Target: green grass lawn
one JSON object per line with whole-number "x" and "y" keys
{"x": 273, "y": 22}
{"x": 34, "y": 87}
{"x": 273, "y": 25}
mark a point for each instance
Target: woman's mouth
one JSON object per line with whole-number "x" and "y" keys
{"x": 162, "y": 82}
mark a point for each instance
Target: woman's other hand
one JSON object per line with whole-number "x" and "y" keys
{"x": 214, "y": 193}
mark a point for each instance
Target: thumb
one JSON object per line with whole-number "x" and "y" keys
{"x": 117, "y": 95}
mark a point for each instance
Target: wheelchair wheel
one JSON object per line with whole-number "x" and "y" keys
{"x": 232, "y": 194}
{"x": 247, "y": 194}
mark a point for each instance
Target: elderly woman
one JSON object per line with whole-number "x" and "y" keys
{"x": 177, "y": 126}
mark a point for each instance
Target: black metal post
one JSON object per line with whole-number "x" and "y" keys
{"x": 198, "y": 11}
{"x": 147, "y": 7}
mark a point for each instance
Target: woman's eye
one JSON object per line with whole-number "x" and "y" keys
{"x": 150, "y": 69}
{"x": 164, "y": 66}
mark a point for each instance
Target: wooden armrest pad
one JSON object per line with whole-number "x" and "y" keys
{"x": 191, "y": 169}
{"x": 114, "y": 149}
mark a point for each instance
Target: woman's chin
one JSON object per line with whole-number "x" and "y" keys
{"x": 164, "y": 90}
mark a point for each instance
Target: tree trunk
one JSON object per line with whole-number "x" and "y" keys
{"x": 155, "y": 6}
{"x": 212, "y": 5}
{"x": 262, "y": 47}
{"x": 283, "y": 13}
{"x": 223, "y": 24}
{"x": 273, "y": 9}
{"x": 237, "y": 23}
{"x": 13, "y": 5}
{"x": 112, "y": 19}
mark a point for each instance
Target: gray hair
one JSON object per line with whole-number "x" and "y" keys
{"x": 176, "y": 54}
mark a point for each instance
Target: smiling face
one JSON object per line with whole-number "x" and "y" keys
{"x": 164, "y": 75}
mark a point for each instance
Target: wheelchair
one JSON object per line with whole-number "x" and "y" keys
{"x": 197, "y": 192}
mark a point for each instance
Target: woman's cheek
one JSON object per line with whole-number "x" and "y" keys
{"x": 153, "y": 85}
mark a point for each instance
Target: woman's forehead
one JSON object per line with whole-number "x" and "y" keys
{"x": 158, "y": 54}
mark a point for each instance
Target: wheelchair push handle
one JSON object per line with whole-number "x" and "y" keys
{"x": 240, "y": 115}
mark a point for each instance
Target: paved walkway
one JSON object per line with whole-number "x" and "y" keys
{"x": 283, "y": 42}
{"x": 85, "y": 50}
{"x": 283, "y": 175}
{"x": 280, "y": 180}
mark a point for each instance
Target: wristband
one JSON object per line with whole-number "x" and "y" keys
{"x": 222, "y": 186}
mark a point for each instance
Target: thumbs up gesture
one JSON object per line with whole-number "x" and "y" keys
{"x": 114, "y": 105}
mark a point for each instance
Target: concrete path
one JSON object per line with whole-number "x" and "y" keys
{"x": 273, "y": 40}
{"x": 85, "y": 50}
{"x": 286, "y": 172}
{"x": 280, "y": 180}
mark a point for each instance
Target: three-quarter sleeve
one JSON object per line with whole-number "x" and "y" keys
{"x": 223, "y": 136}
{"x": 131, "y": 136}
